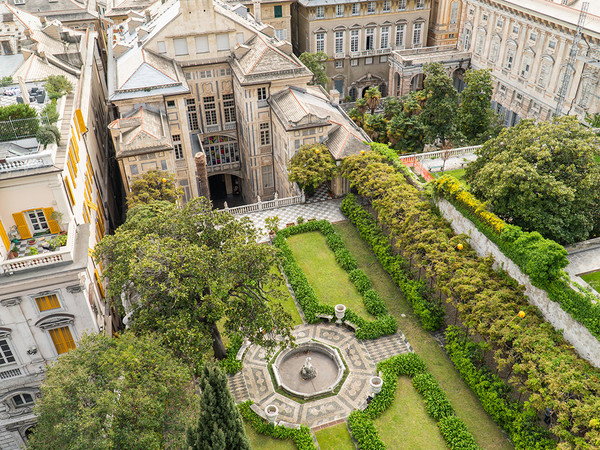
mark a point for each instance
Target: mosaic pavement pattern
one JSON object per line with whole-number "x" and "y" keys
{"x": 361, "y": 362}
{"x": 328, "y": 210}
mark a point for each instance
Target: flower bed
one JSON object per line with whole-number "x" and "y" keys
{"x": 437, "y": 405}
{"x": 306, "y": 297}
{"x": 541, "y": 259}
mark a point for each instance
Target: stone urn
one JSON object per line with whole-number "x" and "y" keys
{"x": 340, "y": 312}
{"x": 271, "y": 412}
{"x": 376, "y": 383}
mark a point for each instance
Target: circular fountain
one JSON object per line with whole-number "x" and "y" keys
{"x": 309, "y": 370}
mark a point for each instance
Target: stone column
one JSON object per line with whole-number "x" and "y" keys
{"x": 203, "y": 188}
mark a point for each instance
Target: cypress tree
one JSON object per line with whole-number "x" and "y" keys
{"x": 220, "y": 424}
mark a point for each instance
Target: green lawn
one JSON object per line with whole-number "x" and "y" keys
{"x": 467, "y": 406}
{"x": 263, "y": 442}
{"x": 593, "y": 279}
{"x": 457, "y": 173}
{"x": 328, "y": 279}
{"x": 335, "y": 438}
{"x": 288, "y": 302}
{"x": 406, "y": 425}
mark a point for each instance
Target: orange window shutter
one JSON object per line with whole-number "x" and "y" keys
{"x": 80, "y": 121}
{"x": 99, "y": 282}
{"x": 75, "y": 147}
{"x": 62, "y": 339}
{"x": 22, "y": 225}
{"x": 4, "y": 237}
{"x": 47, "y": 302}
{"x": 52, "y": 224}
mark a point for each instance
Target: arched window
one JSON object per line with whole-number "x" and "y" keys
{"x": 467, "y": 39}
{"x": 22, "y": 400}
{"x": 220, "y": 150}
{"x": 480, "y": 41}
{"x": 526, "y": 64}
{"x": 545, "y": 71}
{"x": 494, "y": 49}
{"x": 509, "y": 57}
{"x": 589, "y": 86}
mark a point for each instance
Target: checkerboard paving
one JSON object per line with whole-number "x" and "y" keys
{"x": 321, "y": 194}
{"x": 387, "y": 346}
{"x": 238, "y": 388}
{"x": 328, "y": 210}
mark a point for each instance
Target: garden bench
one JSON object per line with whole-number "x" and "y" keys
{"x": 435, "y": 168}
{"x": 289, "y": 425}
{"x": 254, "y": 407}
{"x": 352, "y": 325}
{"x": 325, "y": 316}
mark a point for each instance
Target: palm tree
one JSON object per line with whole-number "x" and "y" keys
{"x": 372, "y": 96}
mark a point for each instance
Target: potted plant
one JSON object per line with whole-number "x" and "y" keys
{"x": 272, "y": 224}
{"x": 33, "y": 251}
{"x": 14, "y": 252}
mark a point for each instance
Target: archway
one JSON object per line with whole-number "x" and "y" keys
{"x": 416, "y": 83}
{"x": 225, "y": 187}
{"x": 458, "y": 80}
{"x": 397, "y": 84}
{"x": 383, "y": 90}
{"x": 352, "y": 94}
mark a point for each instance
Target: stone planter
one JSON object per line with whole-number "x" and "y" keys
{"x": 376, "y": 383}
{"x": 340, "y": 312}
{"x": 271, "y": 412}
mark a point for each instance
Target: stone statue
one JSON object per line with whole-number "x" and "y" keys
{"x": 308, "y": 372}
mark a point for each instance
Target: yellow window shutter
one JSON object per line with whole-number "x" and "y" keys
{"x": 52, "y": 224}
{"x": 69, "y": 191}
{"x": 4, "y": 237}
{"x": 99, "y": 283}
{"x": 80, "y": 121}
{"x": 22, "y": 225}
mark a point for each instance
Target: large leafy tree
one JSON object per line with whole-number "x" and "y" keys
{"x": 219, "y": 424}
{"x": 315, "y": 62}
{"x": 154, "y": 185}
{"x": 439, "y": 111}
{"x": 180, "y": 270}
{"x": 478, "y": 122}
{"x": 311, "y": 166}
{"x": 372, "y": 97}
{"x": 543, "y": 177}
{"x": 406, "y": 133}
{"x": 125, "y": 392}
{"x": 376, "y": 127}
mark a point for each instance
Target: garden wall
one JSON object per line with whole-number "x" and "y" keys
{"x": 585, "y": 344}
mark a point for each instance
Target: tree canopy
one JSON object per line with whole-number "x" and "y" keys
{"x": 219, "y": 425}
{"x": 182, "y": 269}
{"x": 315, "y": 62}
{"x": 124, "y": 392}
{"x": 543, "y": 177}
{"x": 154, "y": 185}
{"x": 477, "y": 121}
{"x": 311, "y": 165}
{"x": 441, "y": 105}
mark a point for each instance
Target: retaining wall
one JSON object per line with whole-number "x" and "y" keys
{"x": 585, "y": 344}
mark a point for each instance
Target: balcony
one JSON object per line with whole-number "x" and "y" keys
{"x": 45, "y": 258}
{"x": 372, "y": 52}
{"x": 417, "y": 57}
{"x": 31, "y": 161}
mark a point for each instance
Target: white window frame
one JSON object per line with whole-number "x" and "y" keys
{"x": 38, "y": 220}
{"x": 339, "y": 11}
{"x": 384, "y": 37}
{"x": 417, "y": 34}
{"x": 526, "y": 64}
{"x": 265, "y": 134}
{"x": 400, "y": 35}
{"x": 320, "y": 12}
{"x": 354, "y": 40}
{"x": 371, "y": 7}
{"x": 262, "y": 94}
{"x": 387, "y": 6}
{"x": 338, "y": 42}
{"x": 420, "y": 4}
{"x": 370, "y": 43}
{"x": 509, "y": 57}
{"x": 181, "y": 46}
{"x": 401, "y": 5}
{"x": 4, "y": 354}
{"x": 355, "y": 9}
{"x": 320, "y": 42}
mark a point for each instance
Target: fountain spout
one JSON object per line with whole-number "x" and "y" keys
{"x": 308, "y": 372}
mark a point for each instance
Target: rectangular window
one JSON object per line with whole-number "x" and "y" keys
{"x": 320, "y": 12}
{"x": 163, "y": 166}
{"x": 339, "y": 11}
{"x": 47, "y": 302}
{"x": 262, "y": 93}
{"x": 515, "y": 29}
{"x": 265, "y": 134}
{"x": 339, "y": 64}
{"x": 62, "y": 340}
{"x": 354, "y": 62}
{"x": 500, "y": 22}
{"x": 177, "y": 147}
{"x": 229, "y": 108}
{"x": 267, "y": 177}
{"x": 170, "y": 103}
{"x": 385, "y": 37}
{"x": 400, "y": 29}
{"x": 354, "y": 40}
{"x": 222, "y": 42}
{"x": 320, "y": 39}
{"x": 278, "y": 11}
{"x": 355, "y": 9}
{"x": 281, "y": 34}
{"x": 339, "y": 42}
{"x": 133, "y": 168}
{"x": 383, "y": 59}
{"x": 162, "y": 48}
{"x": 210, "y": 110}
{"x": 454, "y": 13}
{"x": 6, "y": 354}
{"x": 417, "y": 32}
{"x": 370, "y": 37}
{"x": 420, "y": 4}
{"x": 181, "y": 47}
{"x": 401, "y": 5}
{"x": 533, "y": 37}
{"x": 202, "y": 44}
{"x": 22, "y": 400}
{"x": 371, "y": 8}
{"x": 368, "y": 60}
{"x": 552, "y": 45}
{"x": 387, "y": 6}
{"x": 37, "y": 219}
{"x": 192, "y": 114}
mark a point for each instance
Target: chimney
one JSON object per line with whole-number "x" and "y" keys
{"x": 335, "y": 96}
{"x": 257, "y": 15}
{"x": 203, "y": 189}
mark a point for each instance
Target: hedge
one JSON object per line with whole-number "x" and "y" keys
{"x": 383, "y": 325}
{"x": 230, "y": 364}
{"x": 541, "y": 259}
{"x": 436, "y": 404}
{"x": 517, "y": 420}
{"x": 302, "y": 437}
{"x": 430, "y": 312}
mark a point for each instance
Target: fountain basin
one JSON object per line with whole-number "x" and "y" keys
{"x": 327, "y": 361}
